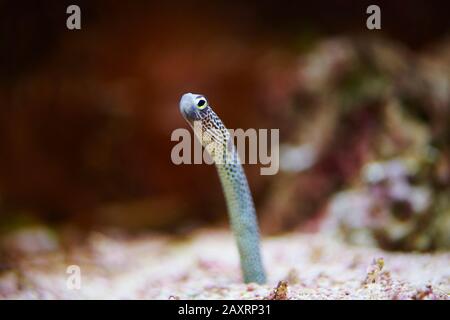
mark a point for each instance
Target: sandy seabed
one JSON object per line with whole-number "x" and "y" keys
{"x": 206, "y": 266}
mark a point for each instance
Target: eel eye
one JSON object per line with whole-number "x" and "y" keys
{"x": 201, "y": 103}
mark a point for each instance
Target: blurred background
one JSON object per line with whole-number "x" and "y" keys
{"x": 86, "y": 116}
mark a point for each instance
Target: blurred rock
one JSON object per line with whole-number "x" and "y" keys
{"x": 376, "y": 116}
{"x": 30, "y": 240}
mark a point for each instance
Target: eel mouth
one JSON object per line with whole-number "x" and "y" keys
{"x": 187, "y": 107}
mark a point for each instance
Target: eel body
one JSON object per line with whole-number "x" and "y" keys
{"x": 217, "y": 140}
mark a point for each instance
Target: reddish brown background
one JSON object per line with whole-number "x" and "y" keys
{"x": 86, "y": 116}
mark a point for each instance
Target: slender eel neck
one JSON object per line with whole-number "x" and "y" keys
{"x": 216, "y": 139}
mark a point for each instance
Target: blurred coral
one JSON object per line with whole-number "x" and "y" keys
{"x": 375, "y": 117}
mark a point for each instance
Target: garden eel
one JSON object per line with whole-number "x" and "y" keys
{"x": 218, "y": 143}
